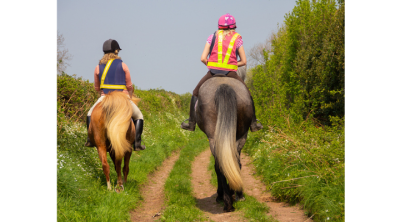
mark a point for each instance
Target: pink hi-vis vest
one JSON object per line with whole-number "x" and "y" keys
{"x": 223, "y": 54}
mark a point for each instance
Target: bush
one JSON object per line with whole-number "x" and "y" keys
{"x": 304, "y": 71}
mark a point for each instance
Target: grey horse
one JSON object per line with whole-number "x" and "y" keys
{"x": 224, "y": 113}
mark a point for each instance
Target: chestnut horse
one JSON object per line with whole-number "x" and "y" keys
{"x": 112, "y": 130}
{"x": 224, "y": 112}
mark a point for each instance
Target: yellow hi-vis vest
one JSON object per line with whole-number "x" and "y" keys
{"x": 215, "y": 60}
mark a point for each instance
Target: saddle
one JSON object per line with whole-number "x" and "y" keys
{"x": 219, "y": 75}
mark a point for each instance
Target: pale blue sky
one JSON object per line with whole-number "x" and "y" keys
{"x": 161, "y": 41}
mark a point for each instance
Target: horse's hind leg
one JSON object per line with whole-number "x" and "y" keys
{"x": 227, "y": 196}
{"x": 117, "y": 166}
{"x": 239, "y": 194}
{"x": 126, "y": 165}
{"x": 240, "y": 144}
{"x": 106, "y": 168}
{"x": 220, "y": 191}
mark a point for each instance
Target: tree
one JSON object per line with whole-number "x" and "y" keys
{"x": 63, "y": 56}
{"x": 256, "y": 53}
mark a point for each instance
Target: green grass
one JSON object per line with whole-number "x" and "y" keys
{"x": 81, "y": 185}
{"x": 181, "y": 205}
{"x": 252, "y": 209}
{"x": 303, "y": 164}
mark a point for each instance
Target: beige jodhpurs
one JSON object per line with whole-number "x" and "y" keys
{"x": 137, "y": 114}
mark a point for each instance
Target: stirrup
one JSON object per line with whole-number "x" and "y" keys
{"x": 137, "y": 148}
{"x": 186, "y": 126}
{"x": 184, "y": 120}
{"x": 89, "y": 143}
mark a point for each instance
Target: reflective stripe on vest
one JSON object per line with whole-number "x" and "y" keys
{"x": 103, "y": 77}
{"x": 224, "y": 64}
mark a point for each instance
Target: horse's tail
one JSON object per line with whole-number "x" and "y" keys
{"x": 118, "y": 111}
{"x": 225, "y": 136}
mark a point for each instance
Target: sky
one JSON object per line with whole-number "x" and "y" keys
{"x": 161, "y": 41}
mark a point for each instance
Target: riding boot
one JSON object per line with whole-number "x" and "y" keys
{"x": 88, "y": 142}
{"x": 192, "y": 118}
{"x": 254, "y": 126}
{"x": 138, "y": 138}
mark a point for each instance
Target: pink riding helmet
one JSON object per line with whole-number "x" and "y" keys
{"x": 226, "y": 21}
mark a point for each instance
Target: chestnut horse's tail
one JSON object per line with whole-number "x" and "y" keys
{"x": 117, "y": 111}
{"x": 225, "y": 136}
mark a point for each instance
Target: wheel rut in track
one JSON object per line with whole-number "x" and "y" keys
{"x": 205, "y": 193}
{"x": 153, "y": 192}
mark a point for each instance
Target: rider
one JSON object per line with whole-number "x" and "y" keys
{"x": 223, "y": 48}
{"x": 112, "y": 74}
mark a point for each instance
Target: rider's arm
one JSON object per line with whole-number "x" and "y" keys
{"x": 242, "y": 55}
{"x": 206, "y": 50}
{"x": 96, "y": 79}
{"x": 127, "y": 78}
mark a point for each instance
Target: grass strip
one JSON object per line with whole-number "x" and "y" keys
{"x": 181, "y": 205}
{"x": 252, "y": 209}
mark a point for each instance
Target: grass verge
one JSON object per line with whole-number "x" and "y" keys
{"x": 305, "y": 164}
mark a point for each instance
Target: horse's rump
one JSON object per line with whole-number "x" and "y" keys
{"x": 206, "y": 108}
{"x": 111, "y": 118}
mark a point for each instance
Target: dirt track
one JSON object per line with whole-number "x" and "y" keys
{"x": 205, "y": 193}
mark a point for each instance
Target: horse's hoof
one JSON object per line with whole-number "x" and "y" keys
{"x": 119, "y": 189}
{"x": 231, "y": 209}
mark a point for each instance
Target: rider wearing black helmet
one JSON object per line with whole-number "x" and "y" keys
{"x": 112, "y": 74}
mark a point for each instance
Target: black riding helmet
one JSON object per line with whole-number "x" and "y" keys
{"x": 110, "y": 46}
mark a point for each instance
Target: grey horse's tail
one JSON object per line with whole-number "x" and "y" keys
{"x": 225, "y": 136}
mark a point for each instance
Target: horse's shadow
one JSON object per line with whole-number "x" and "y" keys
{"x": 208, "y": 204}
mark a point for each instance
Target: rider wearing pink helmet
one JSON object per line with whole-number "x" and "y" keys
{"x": 222, "y": 49}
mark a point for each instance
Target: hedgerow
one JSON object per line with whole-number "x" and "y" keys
{"x": 299, "y": 97}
